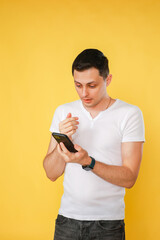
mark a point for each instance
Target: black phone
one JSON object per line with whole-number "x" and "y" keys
{"x": 65, "y": 139}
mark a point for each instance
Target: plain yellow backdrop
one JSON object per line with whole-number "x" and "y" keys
{"x": 38, "y": 42}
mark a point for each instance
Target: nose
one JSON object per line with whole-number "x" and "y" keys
{"x": 84, "y": 92}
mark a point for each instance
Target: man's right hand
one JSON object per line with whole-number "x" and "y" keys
{"x": 69, "y": 125}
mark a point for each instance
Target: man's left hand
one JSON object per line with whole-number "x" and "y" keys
{"x": 80, "y": 157}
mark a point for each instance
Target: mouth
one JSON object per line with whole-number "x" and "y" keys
{"x": 87, "y": 100}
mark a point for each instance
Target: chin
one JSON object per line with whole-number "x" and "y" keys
{"x": 89, "y": 104}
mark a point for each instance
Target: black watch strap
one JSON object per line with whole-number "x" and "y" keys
{"x": 91, "y": 166}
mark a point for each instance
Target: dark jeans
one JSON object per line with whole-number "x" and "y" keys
{"x": 71, "y": 229}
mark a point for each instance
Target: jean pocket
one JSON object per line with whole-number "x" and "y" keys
{"x": 115, "y": 225}
{"x": 61, "y": 220}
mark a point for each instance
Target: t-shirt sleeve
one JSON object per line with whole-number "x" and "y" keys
{"x": 55, "y": 120}
{"x": 133, "y": 127}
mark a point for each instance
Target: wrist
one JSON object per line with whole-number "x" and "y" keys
{"x": 88, "y": 161}
{"x": 90, "y": 165}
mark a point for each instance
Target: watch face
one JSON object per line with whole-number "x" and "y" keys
{"x": 87, "y": 168}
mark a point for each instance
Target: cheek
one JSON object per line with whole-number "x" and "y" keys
{"x": 78, "y": 91}
{"x": 97, "y": 91}
{"x": 102, "y": 90}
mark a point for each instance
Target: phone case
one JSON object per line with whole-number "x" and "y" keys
{"x": 65, "y": 139}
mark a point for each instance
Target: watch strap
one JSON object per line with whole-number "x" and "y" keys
{"x": 91, "y": 166}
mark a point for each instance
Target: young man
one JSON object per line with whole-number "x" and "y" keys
{"x": 108, "y": 135}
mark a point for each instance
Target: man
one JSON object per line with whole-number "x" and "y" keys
{"x": 108, "y": 135}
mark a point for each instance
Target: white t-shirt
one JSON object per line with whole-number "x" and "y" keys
{"x": 87, "y": 196}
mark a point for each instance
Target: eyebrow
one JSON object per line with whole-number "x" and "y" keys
{"x": 87, "y": 83}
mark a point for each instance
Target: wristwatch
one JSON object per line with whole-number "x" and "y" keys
{"x": 91, "y": 166}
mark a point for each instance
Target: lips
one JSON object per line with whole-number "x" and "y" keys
{"x": 87, "y": 100}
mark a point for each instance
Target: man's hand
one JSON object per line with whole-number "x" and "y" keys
{"x": 69, "y": 125}
{"x": 80, "y": 157}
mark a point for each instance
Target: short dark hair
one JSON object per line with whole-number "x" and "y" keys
{"x": 91, "y": 58}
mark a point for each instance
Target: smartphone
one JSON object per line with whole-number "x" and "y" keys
{"x": 65, "y": 139}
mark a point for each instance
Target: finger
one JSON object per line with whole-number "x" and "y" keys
{"x": 69, "y": 119}
{"x": 69, "y": 129}
{"x": 72, "y": 123}
{"x": 62, "y": 154}
{"x": 59, "y": 149}
{"x": 64, "y": 149}
{"x": 77, "y": 147}
{"x": 69, "y": 134}
{"x": 69, "y": 115}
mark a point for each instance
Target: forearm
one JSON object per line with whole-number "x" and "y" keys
{"x": 118, "y": 175}
{"x": 54, "y": 165}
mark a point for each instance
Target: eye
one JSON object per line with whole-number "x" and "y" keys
{"x": 77, "y": 85}
{"x": 92, "y": 86}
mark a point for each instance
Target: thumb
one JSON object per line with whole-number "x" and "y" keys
{"x": 69, "y": 115}
{"x": 77, "y": 147}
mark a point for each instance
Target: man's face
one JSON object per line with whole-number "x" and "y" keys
{"x": 90, "y": 86}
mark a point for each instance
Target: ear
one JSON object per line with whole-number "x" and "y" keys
{"x": 108, "y": 80}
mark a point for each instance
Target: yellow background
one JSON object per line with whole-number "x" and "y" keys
{"x": 38, "y": 42}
